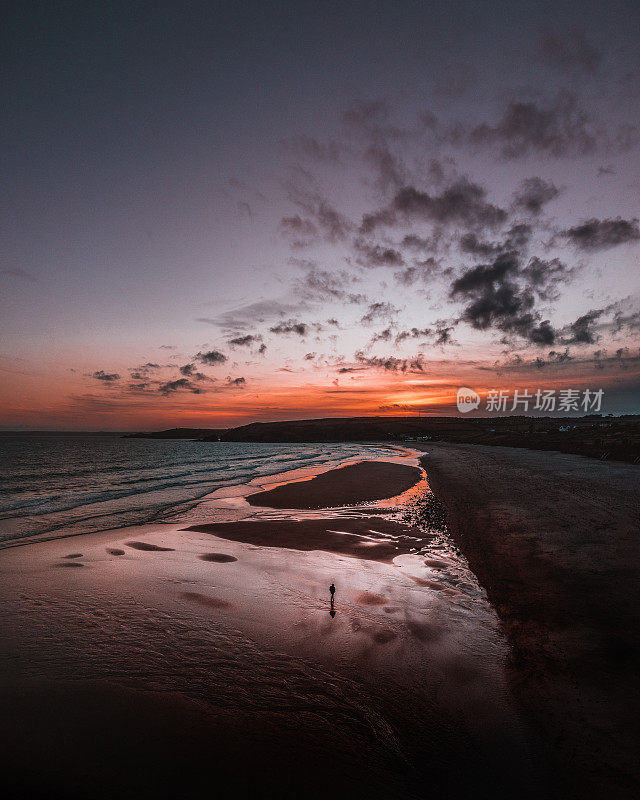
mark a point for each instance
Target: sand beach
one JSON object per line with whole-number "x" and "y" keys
{"x": 159, "y": 659}
{"x": 166, "y": 659}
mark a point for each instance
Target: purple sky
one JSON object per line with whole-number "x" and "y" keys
{"x": 359, "y": 206}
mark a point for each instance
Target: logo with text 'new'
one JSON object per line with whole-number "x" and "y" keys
{"x": 467, "y": 399}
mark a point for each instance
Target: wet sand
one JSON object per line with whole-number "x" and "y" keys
{"x": 370, "y": 538}
{"x": 356, "y": 483}
{"x": 555, "y": 541}
{"x": 177, "y": 661}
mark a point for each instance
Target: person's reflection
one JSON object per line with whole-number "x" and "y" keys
{"x": 332, "y": 611}
{"x": 332, "y": 590}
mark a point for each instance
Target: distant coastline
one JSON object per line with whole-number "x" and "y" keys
{"x": 595, "y": 436}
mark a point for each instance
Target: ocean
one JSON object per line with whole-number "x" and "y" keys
{"x": 84, "y": 483}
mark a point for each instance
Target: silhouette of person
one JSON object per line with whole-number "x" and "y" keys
{"x": 332, "y": 589}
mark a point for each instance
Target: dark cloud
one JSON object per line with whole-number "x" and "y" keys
{"x": 211, "y": 358}
{"x": 544, "y": 276}
{"x": 322, "y": 284}
{"x": 301, "y": 231}
{"x": 291, "y": 326}
{"x": 189, "y": 371}
{"x": 391, "y": 363}
{"x": 143, "y": 372}
{"x": 348, "y": 370}
{"x": 517, "y": 363}
{"x": 622, "y": 320}
{"x": 245, "y": 317}
{"x": 533, "y": 194}
{"x": 602, "y": 234}
{"x": 414, "y": 333}
{"x": 623, "y": 358}
{"x": 463, "y": 202}
{"x": 542, "y": 334}
{"x": 379, "y": 310}
{"x": 244, "y": 341}
{"x": 560, "y": 129}
{"x": 502, "y": 295}
{"x": 334, "y": 225}
{"x": 374, "y": 255}
{"x": 108, "y": 377}
{"x": 570, "y": 52}
{"x": 414, "y": 242}
{"x": 582, "y": 330}
{"x": 407, "y": 276}
{"x": 391, "y": 173}
{"x": 443, "y": 333}
{"x": 483, "y": 275}
{"x": 179, "y": 385}
{"x": 370, "y": 222}
{"x": 236, "y": 382}
{"x": 320, "y": 221}
{"x": 384, "y": 336}
{"x": 517, "y": 238}
{"x": 421, "y": 271}
{"x": 556, "y": 357}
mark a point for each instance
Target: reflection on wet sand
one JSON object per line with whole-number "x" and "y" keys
{"x": 370, "y": 538}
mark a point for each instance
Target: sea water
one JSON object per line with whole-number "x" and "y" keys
{"x": 84, "y": 483}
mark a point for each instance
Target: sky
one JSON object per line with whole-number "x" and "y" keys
{"x": 216, "y": 213}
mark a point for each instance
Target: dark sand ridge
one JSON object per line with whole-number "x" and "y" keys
{"x": 555, "y": 541}
{"x": 370, "y": 538}
{"x": 357, "y": 483}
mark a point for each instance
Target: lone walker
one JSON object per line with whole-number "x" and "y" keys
{"x": 332, "y": 589}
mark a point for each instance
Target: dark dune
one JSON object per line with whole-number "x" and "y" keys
{"x": 554, "y": 541}
{"x": 73, "y": 555}
{"x": 369, "y": 539}
{"x": 71, "y": 564}
{"x": 357, "y": 483}
{"x": 217, "y": 558}
{"x": 115, "y": 551}
{"x": 148, "y": 547}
